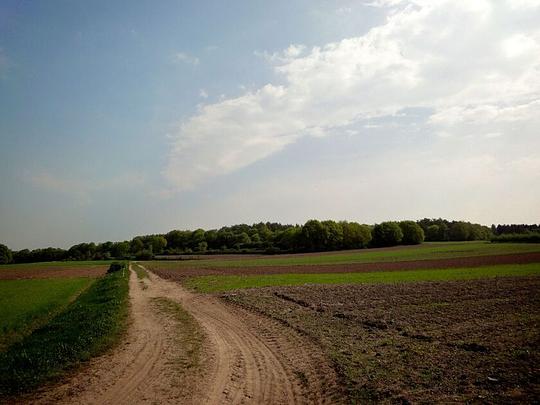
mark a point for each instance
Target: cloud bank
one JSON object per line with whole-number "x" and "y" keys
{"x": 474, "y": 64}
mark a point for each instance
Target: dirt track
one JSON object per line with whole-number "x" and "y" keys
{"x": 247, "y": 359}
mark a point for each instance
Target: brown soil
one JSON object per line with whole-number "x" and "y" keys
{"x": 475, "y": 261}
{"x": 52, "y": 272}
{"x": 467, "y": 341}
{"x": 246, "y": 358}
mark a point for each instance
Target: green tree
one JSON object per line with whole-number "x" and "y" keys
{"x": 314, "y": 235}
{"x": 120, "y": 250}
{"x": 202, "y": 246}
{"x": 355, "y": 236}
{"x": 334, "y": 231}
{"x": 433, "y": 232}
{"x": 136, "y": 245}
{"x": 5, "y": 255}
{"x": 158, "y": 243}
{"x": 459, "y": 231}
{"x": 386, "y": 234}
{"x": 413, "y": 234}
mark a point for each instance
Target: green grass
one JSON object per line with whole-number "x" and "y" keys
{"x": 140, "y": 271}
{"x": 227, "y": 283}
{"x": 188, "y": 335}
{"x": 441, "y": 250}
{"x": 88, "y": 326}
{"x": 27, "y": 304}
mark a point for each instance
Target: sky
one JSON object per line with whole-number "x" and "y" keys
{"x": 125, "y": 118}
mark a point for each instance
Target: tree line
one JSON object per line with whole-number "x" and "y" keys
{"x": 263, "y": 237}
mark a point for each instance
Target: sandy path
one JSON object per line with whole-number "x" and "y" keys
{"x": 253, "y": 359}
{"x": 247, "y": 359}
{"x": 139, "y": 370}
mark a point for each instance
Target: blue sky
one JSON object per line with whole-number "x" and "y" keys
{"x": 125, "y": 118}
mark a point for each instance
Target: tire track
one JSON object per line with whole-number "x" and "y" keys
{"x": 138, "y": 371}
{"x": 247, "y": 359}
{"x": 254, "y": 359}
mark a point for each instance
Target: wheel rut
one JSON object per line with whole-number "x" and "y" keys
{"x": 255, "y": 359}
{"x": 247, "y": 359}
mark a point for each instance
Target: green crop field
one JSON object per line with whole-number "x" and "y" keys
{"x": 227, "y": 283}
{"x": 434, "y": 250}
{"x": 27, "y": 304}
{"x": 84, "y": 328}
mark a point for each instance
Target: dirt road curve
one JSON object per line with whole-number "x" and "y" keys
{"x": 247, "y": 359}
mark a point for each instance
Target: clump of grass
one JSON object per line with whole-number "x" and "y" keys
{"x": 88, "y": 326}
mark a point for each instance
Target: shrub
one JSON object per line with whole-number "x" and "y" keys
{"x": 114, "y": 267}
{"x": 413, "y": 234}
{"x": 386, "y": 234}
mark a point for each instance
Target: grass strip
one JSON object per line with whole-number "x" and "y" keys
{"x": 188, "y": 335}
{"x": 140, "y": 271}
{"x": 88, "y": 326}
{"x": 28, "y": 304}
{"x": 227, "y": 283}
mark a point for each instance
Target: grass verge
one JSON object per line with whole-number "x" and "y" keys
{"x": 227, "y": 283}
{"x": 88, "y": 326}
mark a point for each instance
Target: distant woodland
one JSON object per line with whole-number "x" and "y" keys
{"x": 273, "y": 238}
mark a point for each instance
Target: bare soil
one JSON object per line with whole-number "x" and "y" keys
{"x": 185, "y": 271}
{"x": 244, "y": 358}
{"x": 464, "y": 341}
{"x": 52, "y": 272}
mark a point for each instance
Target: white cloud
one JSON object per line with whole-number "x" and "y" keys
{"x": 524, "y": 4}
{"x": 203, "y": 93}
{"x": 453, "y": 57}
{"x": 186, "y": 58}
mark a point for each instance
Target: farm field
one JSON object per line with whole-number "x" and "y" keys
{"x": 412, "y": 327}
{"x": 27, "y": 304}
{"x": 426, "y": 251}
{"x": 399, "y": 330}
{"x": 207, "y": 284}
{"x": 54, "y": 270}
{"x": 458, "y": 341}
{"x": 54, "y": 315}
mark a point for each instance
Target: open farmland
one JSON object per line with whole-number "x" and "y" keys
{"x": 52, "y": 325}
{"x": 27, "y": 304}
{"x": 426, "y": 251}
{"x": 461, "y": 341}
{"x": 53, "y": 270}
{"x": 443, "y": 323}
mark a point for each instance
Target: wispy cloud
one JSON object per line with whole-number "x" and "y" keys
{"x": 451, "y": 57}
{"x": 186, "y": 58}
{"x": 83, "y": 188}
